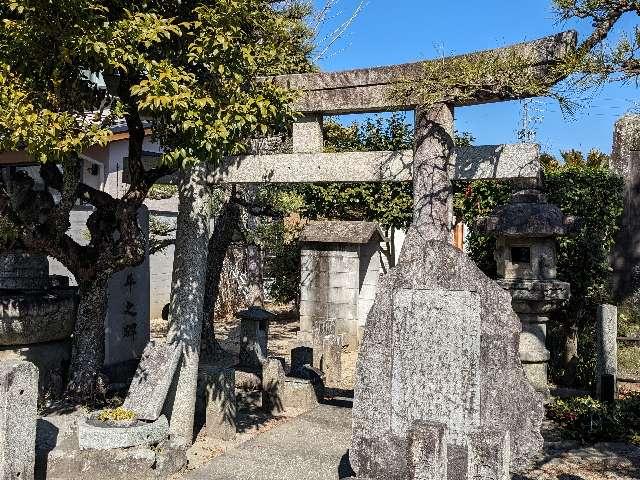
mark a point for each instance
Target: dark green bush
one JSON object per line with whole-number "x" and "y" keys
{"x": 591, "y": 421}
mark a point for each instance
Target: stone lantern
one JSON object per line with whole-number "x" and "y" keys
{"x": 526, "y": 230}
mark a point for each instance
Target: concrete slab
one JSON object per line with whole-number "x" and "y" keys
{"x": 309, "y": 447}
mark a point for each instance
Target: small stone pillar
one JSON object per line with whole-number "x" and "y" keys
{"x": 427, "y": 455}
{"x": 526, "y": 231}
{"x": 219, "y": 389}
{"x": 607, "y": 360}
{"x": 18, "y": 412}
{"x": 330, "y": 361}
{"x": 254, "y": 331}
{"x": 489, "y": 455}
{"x": 273, "y": 386}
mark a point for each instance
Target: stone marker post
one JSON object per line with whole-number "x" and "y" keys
{"x": 607, "y": 360}
{"x": 220, "y": 402}
{"x": 428, "y": 451}
{"x": 187, "y": 295}
{"x": 489, "y": 455}
{"x": 18, "y": 411}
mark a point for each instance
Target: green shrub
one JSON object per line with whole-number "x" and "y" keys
{"x": 629, "y": 359}
{"x": 590, "y": 420}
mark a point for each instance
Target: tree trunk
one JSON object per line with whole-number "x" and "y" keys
{"x": 187, "y": 295}
{"x": 87, "y": 357}
{"x": 253, "y": 254}
{"x": 219, "y": 243}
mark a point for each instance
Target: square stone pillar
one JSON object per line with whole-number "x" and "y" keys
{"x": 489, "y": 454}
{"x": 307, "y": 134}
{"x": 218, "y": 389}
{"x": 18, "y": 412}
{"x": 427, "y": 455}
{"x": 607, "y": 359}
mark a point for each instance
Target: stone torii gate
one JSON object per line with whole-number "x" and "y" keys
{"x": 460, "y": 326}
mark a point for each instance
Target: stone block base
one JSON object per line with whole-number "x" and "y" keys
{"x": 68, "y": 462}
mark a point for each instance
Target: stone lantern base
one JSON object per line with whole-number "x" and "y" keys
{"x": 533, "y": 300}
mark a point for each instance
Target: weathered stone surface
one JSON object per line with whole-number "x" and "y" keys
{"x": 67, "y": 462}
{"x": 46, "y": 316}
{"x": 489, "y": 455}
{"x": 432, "y": 189}
{"x": 94, "y": 434}
{"x": 219, "y": 391}
{"x": 127, "y": 324}
{"x": 428, "y": 451}
{"x": 469, "y": 163}
{"x": 254, "y": 332}
{"x": 307, "y": 134}
{"x": 441, "y": 344}
{"x": 299, "y": 395}
{"x": 273, "y": 386}
{"x": 625, "y": 160}
{"x": 23, "y": 271}
{"x": 51, "y": 359}
{"x": 18, "y": 410}
{"x": 334, "y": 231}
{"x": 152, "y": 380}
{"x": 607, "y": 344}
{"x": 331, "y": 361}
{"x": 528, "y": 215}
{"x": 371, "y": 89}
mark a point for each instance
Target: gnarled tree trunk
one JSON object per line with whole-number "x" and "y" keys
{"x": 87, "y": 355}
{"x": 219, "y": 243}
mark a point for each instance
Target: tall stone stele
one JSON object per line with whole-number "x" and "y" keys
{"x": 625, "y": 160}
{"x": 526, "y": 230}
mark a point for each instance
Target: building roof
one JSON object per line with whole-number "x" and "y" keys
{"x": 341, "y": 232}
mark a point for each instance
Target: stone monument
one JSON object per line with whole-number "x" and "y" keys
{"x": 625, "y": 160}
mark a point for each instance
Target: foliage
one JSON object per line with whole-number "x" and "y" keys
{"x": 600, "y": 59}
{"x": 192, "y": 70}
{"x": 472, "y": 200}
{"x": 162, "y": 192}
{"x": 594, "y": 195}
{"x": 388, "y": 203}
{"x": 593, "y": 421}
{"x": 116, "y": 414}
{"x": 469, "y": 79}
{"x": 629, "y": 359}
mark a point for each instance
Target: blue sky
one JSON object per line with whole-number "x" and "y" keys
{"x": 388, "y": 32}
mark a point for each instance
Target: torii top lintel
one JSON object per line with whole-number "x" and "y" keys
{"x": 369, "y": 89}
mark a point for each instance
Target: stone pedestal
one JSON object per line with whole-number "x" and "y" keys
{"x": 533, "y": 301}
{"x": 428, "y": 451}
{"x": 18, "y": 412}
